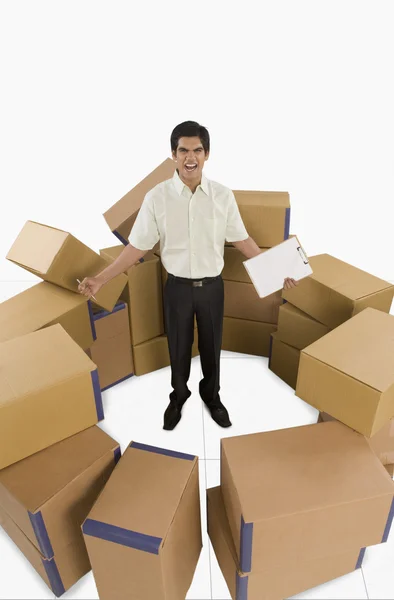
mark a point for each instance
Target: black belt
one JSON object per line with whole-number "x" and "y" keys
{"x": 194, "y": 282}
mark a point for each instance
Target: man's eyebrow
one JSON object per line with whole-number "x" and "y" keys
{"x": 182, "y": 148}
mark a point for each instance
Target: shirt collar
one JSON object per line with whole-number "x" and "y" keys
{"x": 179, "y": 185}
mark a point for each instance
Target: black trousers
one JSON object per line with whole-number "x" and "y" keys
{"x": 181, "y": 302}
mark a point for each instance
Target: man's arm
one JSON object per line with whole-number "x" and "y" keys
{"x": 126, "y": 259}
{"x": 248, "y": 247}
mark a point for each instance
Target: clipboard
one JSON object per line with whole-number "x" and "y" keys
{"x": 269, "y": 269}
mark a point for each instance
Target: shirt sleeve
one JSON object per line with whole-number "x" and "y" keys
{"x": 235, "y": 228}
{"x": 145, "y": 233}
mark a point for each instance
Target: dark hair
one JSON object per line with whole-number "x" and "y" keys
{"x": 190, "y": 129}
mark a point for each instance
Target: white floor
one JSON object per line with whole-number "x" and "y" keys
{"x": 257, "y": 401}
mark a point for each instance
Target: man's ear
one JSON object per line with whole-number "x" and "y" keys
{"x": 206, "y": 155}
{"x": 174, "y": 158}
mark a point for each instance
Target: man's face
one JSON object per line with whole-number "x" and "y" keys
{"x": 190, "y": 158}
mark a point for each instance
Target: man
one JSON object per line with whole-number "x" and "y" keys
{"x": 192, "y": 217}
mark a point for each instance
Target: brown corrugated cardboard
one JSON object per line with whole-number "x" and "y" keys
{"x": 336, "y": 291}
{"x": 266, "y": 216}
{"x": 111, "y": 351}
{"x": 234, "y": 269}
{"x": 143, "y": 535}
{"x": 275, "y": 583}
{"x": 284, "y": 360}
{"x": 58, "y": 257}
{"x": 121, "y": 216}
{"x": 390, "y": 469}
{"x": 297, "y": 328}
{"x": 49, "y": 390}
{"x": 49, "y": 494}
{"x": 46, "y": 304}
{"x": 247, "y": 337}
{"x": 336, "y": 495}
{"x": 349, "y": 373}
{"x": 242, "y": 302}
{"x": 153, "y": 354}
{"x": 143, "y": 295}
{"x": 59, "y": 572}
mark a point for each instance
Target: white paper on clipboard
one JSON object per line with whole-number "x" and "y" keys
{"x": 269, "y": 269}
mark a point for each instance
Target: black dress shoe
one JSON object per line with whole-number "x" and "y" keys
{"x": 220, "y": 416}
{"x": 172, "y": 416}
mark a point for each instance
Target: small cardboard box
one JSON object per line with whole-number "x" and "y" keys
{"x": 336, "y": 291}
{"x": 266, "y": 216}
{"x": 349, "y": 373}
{"x": 143, "y": 535}
{"x": 111, "y": 351}
{"x": 46, "y": 304}
{"x": 284, "y": 360}
{"x": 336, "y": 495}
{"x": 49, "y": 494}
{"x": 241, "y": 301}
{"x": 121, "y": 216}
{"x": 275, "y": 583}
{"x": 59, "y": 572}
{"x": 296, "y": 328}
{"x": 58, "y": 257}
{"x": 154, "y": 354}
{"x": 49, "y": 390}
{"x": 247, "y": 337}
{"x": 143, "y": 295}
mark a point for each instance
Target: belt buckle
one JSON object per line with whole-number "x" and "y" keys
{"x": 197, "y": 283}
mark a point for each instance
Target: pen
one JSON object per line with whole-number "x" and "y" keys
{"x": 92, "y": 296}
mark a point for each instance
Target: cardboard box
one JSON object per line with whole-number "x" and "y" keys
{"x": 111, "y": 351}
{"x": 49, "y": 390}
{"x": 48, "y": 495}
{"x": 46, "y": 304}
{"x": 58, "y": 257}
{"x": 247, "y": 337}
{"x": 143, "y": 295}
{"x": 234, "y": 269}
{"x": 266, "y": 216}
{"x": 274, "y": 583}
{"x": 297, "y": 328}
{"x": 153, "y": 354}
{"x": 336, "y": 291}
{"x": 59, "y": 572}
{"x": 390, "y": 469}
{"x": 121, "y": 216}
{"x": 143, "y": 535}
{"x": 336, "y": 495}
{"x": 284, "y": 360}
{"x": 349, "y": 372}
{"x": 242, "y": 302}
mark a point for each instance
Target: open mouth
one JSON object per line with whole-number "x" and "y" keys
{"x": 190, "y": 167}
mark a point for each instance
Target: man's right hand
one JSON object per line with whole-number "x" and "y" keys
{"x": 90, "y": 286}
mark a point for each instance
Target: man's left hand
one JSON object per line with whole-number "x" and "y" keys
{"x": 289, "y": 283}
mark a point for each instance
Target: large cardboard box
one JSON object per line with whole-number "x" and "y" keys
{"x": 143, "y": 295}
{"x": 58, "y": 257}
{"x": 275, "y": 583}
{"x": 48, "y": 495}
{"x": 49, "y": 390}
{"x": 242, "y": 302}
{"x": 284, "y": 360}
{"x": 143, "y": 535}
{"x": 247, "y": 337}
{"x": 111, "y": 351}
{"x": 234, "y": 269}
{"x": 154, "y": 354}
{"x": 349, "y": 373}
{"x": 46, "y": 304}
{"x": 336, "y": 495}
{"x": 266, "y": 216}
{"x": 336, "y": 291}
{"x": 297, "y": 328}
{"x": 121, "y": 216}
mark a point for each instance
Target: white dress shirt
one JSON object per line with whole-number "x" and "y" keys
{"x": 192, "y": 228}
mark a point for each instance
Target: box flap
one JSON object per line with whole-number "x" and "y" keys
{"x": 37, "y": 246}
{"x": 351, "y": 282}
{"x": 326, "y": 464}
{"x": 266, "y": 199}
{"x": 39, "y": 360}
{"x": 362, "y": 347}
{"x": 39, "y": 477}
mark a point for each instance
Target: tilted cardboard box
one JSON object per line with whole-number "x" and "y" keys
{"x": 143, "y": 535}
{"x": 349, "y": 373}
{"x": 336, "y": 495}
{"x": 121, "y": 216}
{"x": 58, "y": 257}
{"x": 247, "y": 337}
{"x": 49, "y": 390}
{"x": 284, "y": 360}
{"x": 266, "y": 216}
{"x": 336, "y": 291}
{"x": 46, "y": 304}
{"x": 296, "y": 328}
{"x": 241, "y": 301}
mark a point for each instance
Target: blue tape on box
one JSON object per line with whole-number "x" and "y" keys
{"x": 388, "y": 524}
{"x": 287, "y": 224}
{"x": 241, "y": 587}
{"x": 246, "y": 546}
{"x": 163, "y": 451}
{"x": 117, "y": 455}
{"x": 41, "y": 533}
{"x": 360, "y": 558}
{"x": 120, "y": 238}
{"x": 97, "y": 395}
{"x": 124, "y": 537}
{"x": 54, "y": 577}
